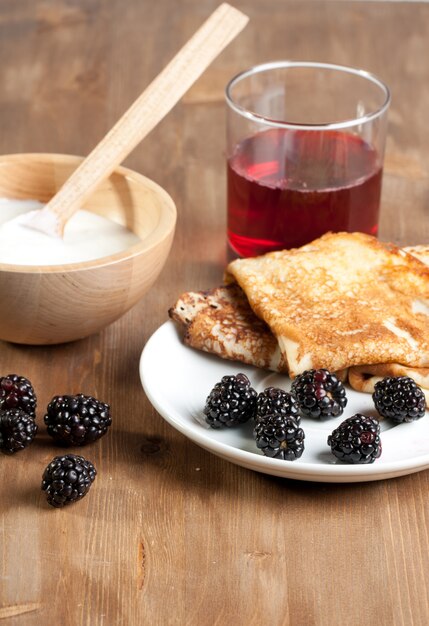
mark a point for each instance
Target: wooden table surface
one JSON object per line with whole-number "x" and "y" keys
{"x": 156, "y": 541}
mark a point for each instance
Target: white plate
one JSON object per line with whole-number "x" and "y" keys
{"x": 177, "y": 380}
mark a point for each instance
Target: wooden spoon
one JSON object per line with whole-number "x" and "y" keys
{"x": 149, "y": 109}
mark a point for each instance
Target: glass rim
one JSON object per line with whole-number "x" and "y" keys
{"x": 263, "y": 67}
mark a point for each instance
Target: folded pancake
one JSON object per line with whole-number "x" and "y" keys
{"x": 364, "y": 377}
{"x": 221, "y": 321}
{"x": 345, "y": 299}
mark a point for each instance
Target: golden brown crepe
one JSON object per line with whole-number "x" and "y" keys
{"x": 364, "y": 377}
{"x": 222, "y": 322}
{"x": 345, "y": 299}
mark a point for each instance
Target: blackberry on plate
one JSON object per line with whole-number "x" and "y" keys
{"x": 17, "y": 430}
{"x": 276, "y": 401}
{"x": 77, "y": 420}
{"x": 399, "y": 398}
{"x": 67, "y": 478}
{"x": 231, "y": 402}
{"x": 319, "y": 394}
{"x": 280, "y": 437}
{"x": 17, "y": 392}
{"x": 356, "y": 440}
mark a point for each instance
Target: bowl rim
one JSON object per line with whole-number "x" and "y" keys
{"x": 163, "y": 230}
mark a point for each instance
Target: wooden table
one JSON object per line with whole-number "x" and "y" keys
{"x": 156, "y": 541}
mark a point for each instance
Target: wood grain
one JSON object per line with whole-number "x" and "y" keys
{"x": 150, "y": 107}
{"x": 170, "y": 534}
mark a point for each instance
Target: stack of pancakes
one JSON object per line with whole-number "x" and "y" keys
{"x": 345, "y": 302}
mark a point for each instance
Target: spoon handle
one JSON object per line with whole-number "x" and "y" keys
{"x": 142, "y": 116}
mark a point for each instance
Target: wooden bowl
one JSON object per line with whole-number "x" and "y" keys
{"x": 59, "y": 303}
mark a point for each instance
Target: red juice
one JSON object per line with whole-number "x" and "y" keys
{"x": 288, "y": 187}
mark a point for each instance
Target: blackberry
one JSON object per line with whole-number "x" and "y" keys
{"x": 67, "y": 478}
{"x": 77, "y": 420}
{"x": 319, "y": 394}
{"x": 399, "y": 398}
{"x": 17, "y": 430}
{"x": 231, "y": 402}
{"x": 276, "y": 401}
{"x": 17, "y": 392}
{"x": 356, "y": 440}
{"x": 279, "y": 437}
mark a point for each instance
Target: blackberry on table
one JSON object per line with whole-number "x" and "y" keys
{"x": 77, "y": 420}
{"x": 17, "y": 392}
{"x": 356, "y": 440}
{"x": 279, "y": 437}
{"x": 17, "y": 430}
{"x": 399, "y": 398}
{"x": 231, "y": 402}
{"x": 276, "y": 401}
{"x": 319, "y": 394}
{"x": 67, "y": 479}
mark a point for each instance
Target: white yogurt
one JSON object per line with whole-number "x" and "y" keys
{"x": 87, "y": 236}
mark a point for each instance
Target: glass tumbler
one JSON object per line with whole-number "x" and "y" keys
{"x": 305, "y": 149}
